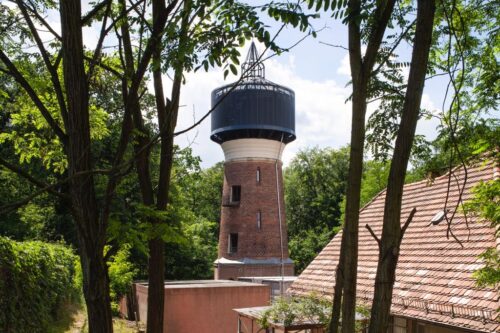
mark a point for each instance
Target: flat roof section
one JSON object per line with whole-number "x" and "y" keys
{"x": 205, "y": 284}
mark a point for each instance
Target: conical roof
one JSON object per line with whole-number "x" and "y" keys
{"x": 252, "y": 68}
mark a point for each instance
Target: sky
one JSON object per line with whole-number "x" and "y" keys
{"x": 318, "y": 74}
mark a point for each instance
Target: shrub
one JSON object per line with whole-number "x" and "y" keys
{"x": 121, "y": 275}
{"x": 312, "y": 308}
{"x": 36, "y": 278}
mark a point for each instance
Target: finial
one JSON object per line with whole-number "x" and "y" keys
{"x": 252, "y": 67}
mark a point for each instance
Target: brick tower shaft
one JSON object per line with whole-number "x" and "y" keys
{"x": 252, "y": 240}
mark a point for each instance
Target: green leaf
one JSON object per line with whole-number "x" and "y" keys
{"x": 318, "y": 5}
{"x": 233, "y": 69}
{"x": 326, "y": 5}
{"x": 333, "y": 4}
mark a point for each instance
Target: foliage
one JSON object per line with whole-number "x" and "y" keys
{"x": 36, "y": 280}
{"x": 204, "y": 193}
{"x": 288, "y": 311}
{"x": 194, "y": 199}
{"x": 472, "y": 140}
{"x": 315, "y": 184}
{"x": 121, "y": 275}
{"x": 486, "y": 204}
{"x": 489, "y": 275}
{"x": 320, "y": 176}
{"x": 52, "y": 92}
{"x": 375, "y": 175}
{"x": 193, "y": 256}
{"x": 463, "y": 56}
{"x": 191, "y": 233}
{"x": 298, "y": 309}
{"x": 306, "y": 245}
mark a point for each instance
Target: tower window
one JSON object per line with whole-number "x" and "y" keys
{"x": 235, "y": 193}
{"x": 232, "y": 246}
{"x": 258, "y": 175}
{"x": 259, "y": 220}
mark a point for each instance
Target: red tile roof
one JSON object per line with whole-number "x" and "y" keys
{"x": 434, "y": 273}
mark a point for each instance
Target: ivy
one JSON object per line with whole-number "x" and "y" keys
{"x": 36, "y": 279}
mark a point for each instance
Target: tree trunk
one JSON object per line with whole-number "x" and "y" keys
{"x": 167, "y": 119}
{"x": 96, "y": 290}
{"x": 91, "y": 233}
{"x": 350, "y": 233}
{"x": 392, "y": 232}
{"x": 361, "y": 68}
{"x": 337, "y": 292}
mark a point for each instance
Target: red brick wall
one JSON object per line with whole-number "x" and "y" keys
{"x": 254, "y": 243}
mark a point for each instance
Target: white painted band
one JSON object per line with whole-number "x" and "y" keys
{"x": 243, "y": 149}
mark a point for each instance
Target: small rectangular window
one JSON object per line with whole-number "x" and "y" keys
{"x": 235, "y": 193}
{"x": 258, "y": 175}
{"x": 232, "y": 243}
{"x": 259, "y": 220}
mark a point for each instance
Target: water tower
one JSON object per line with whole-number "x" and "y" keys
{"x": 253, "y": 120}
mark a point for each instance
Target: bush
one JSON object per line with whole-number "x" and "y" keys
{"x": 121, "y": 275}
{"x": 36, "y": 279}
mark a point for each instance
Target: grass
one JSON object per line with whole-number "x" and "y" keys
{"x": 73, "y": 319}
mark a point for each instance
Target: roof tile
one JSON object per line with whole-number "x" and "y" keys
{"x": 434, "y": 273}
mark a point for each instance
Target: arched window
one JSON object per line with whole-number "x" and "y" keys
{"x": 259, "y": 219}
{"x": 258, "y": 175}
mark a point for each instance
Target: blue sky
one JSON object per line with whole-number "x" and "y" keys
{"x": 318, "y": 74}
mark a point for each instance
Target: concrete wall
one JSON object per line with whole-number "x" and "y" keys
{"x": 233, "y": 271}
{"x": 204, "y": 306}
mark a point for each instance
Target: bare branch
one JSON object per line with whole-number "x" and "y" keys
{"x": 47, "y": 188}
{"x": 141, "y": 14}
{"x": 98, "y": 49}
{"x": 104, "y": 66}
{"x": 42, "y": 20}
{"x": 394, "y": 46}
{"x": 94, "y": 11}
{"x": 407, "y": 223}
{"x": 335, "y": 45}
{"x": 17, "y": 170}
{"x": 45, "y": 56}
{"x": 373, "y": 235}
{"x": 382, "y": 16}
{"x": 34, "y": 97}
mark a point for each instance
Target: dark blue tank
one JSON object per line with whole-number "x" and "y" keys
{"x": 253, "y": 107}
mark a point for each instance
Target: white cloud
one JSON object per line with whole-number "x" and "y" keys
{"x": 322, "y": 116}
{"x": 345, "y": 67}
{"x": 428, "y": 127}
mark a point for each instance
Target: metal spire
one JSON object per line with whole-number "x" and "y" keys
{"x": 252, "y": 68}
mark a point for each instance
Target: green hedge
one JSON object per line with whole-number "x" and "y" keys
{"x": 36, "y": 279}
